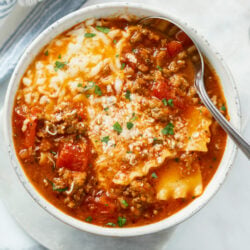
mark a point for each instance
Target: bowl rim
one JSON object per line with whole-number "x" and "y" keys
{"x": 166, "y": 223}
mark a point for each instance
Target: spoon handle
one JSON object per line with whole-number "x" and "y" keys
{"x": 224, "y": 123}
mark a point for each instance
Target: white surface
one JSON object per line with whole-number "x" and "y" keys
{"x": 225, "y": 222}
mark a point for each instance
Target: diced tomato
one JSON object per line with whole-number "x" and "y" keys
{"x": 161, "y": 90}
{"x": 101, "y": 204}
{"x": 174, "y": 47}
{"x": 30, "y": 133}
{"x": 74, "y": 157}
{"x": 183, "y": 38}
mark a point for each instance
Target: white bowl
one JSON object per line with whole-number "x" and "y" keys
{"x": 103, "y": 10}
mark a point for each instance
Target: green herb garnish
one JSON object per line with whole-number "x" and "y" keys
{"x": 79, "y": 85}
{"x": 117, "y": 55}
{"x": 157, "y": 141}
{"x": 111, "y": 224}
{"x": 89, "y": 35}
{"x": 103, "y": 29}
{"x": 124, "y": 203}
{"x": 46, "y": 53}
{"x": 223, "y": 108}
{"x": 59, "y": 65}
{"x": 121, "y": 221}
{"x": 159, "y": 67}
{"x": 123, "y": 66}
{"x": 89, "y": 219}
{"x": 170, "y": 102}
{"x": 133, "y": 118}
{"x": 127, "y": 94}
{"x": 106, "y": 109}
{"x": 60, "y": 56}
{"x": 98, "y": 90}
{"x": 117, "y": 127}
{"x": 165, "y": 101}
{"x": 154, "y": 175}
{"x": 105, "y": 139}
{"x": 130, "y": 125}
{"x": 177, "y": 159}
{"x": 168, "y": 130}
{"x": 53, "y": 152}
{"x": 115, "y": 41}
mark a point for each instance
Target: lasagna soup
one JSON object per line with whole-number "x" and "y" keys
{"x": 108, "y": 126}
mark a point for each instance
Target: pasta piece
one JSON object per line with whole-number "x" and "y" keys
{"x": 198, "y": 134}
{"x": 173, "y": 184}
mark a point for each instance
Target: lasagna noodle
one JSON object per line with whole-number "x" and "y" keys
{"x": 173, "y": 184}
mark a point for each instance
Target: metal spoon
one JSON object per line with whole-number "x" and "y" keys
{"x": 201, "y": 90}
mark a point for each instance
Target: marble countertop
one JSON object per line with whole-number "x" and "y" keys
{"x": 224, "y": 223}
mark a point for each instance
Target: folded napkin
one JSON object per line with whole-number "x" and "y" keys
{"x": 43, "y": 14}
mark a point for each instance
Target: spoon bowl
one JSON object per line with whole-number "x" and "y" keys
{"x": 199, "y": 84}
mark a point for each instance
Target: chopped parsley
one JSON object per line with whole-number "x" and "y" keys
{"x": 170, "y": 102}
{"x": 124, "y": 203}
{"x": 135, "y": 50}
{"x": 117, "y": 127}
{"x": 111, "y": 224}
{"x": 123, "y": 65}
{"x": 79, "y": 85}
{"x": 165, "y": 101}
{"x": 89, "y": 219}
{"x": 59, "y": 65}
{"x": 105, "y": 139}
{"x": 98, "y": 90}
{"x": 115, "y": 41}
{"x": 168, "y": 130}
{"x": 60, "y": 56}
{"x": 103, "y": 29}
{"x": 129, "y": 152}
{"x": 53, "y": 152}
{"x": 177, "y": 159}
{"x": 46, "y": 53}
{"x": 154, "y": 175}
{"x": 117, "y": 55}
{"x": 223, "y": 108}
{"x": 127, "y": 94}
{"x": 121, "y": 221}
{"x": 214, "y": 158}
{"x": 159, "y": 67}
{"x": 157, "y": 141}
{"x": 89, "y": 35}
{"x": 106, "y": 109}
{"x": 133, "y": 118}
{"x": 130, "y": 125}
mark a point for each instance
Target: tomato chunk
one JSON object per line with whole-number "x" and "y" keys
{"x": 161, "y": 90}
{"x": 30, "y": 120}
{"x": 174, "y": 47}
{"x": 183, "y": 38}
{"x": 101, "y": 204}
{"x": 30, "y": 134}
{"x": 74, "y": 157}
